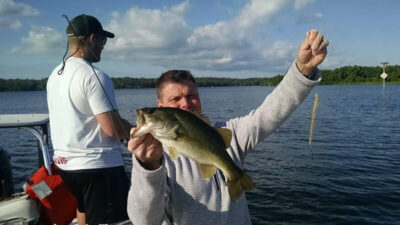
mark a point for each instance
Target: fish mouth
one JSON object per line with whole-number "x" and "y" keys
{"x": 140, "y": 117}
{"x": 140, "y": 122}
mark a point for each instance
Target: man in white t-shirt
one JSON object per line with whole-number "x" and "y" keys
{"x": 86, "y": 127}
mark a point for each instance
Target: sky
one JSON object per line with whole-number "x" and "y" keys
{"x": 214, "y": 38}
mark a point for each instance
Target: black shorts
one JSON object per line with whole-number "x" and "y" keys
{"x": 100, "y": 193}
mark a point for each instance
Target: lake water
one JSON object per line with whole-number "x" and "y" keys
{"x": 350, "y": 174}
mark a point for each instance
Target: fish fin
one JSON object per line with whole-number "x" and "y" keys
{"x": 207, "y": 171}
{"x": 226, "y": 134}
{"x": 174, "y": 133}
{"x": 173, "y": 153}
{"x": 202, "y": 117}
{"x": 247, "y": 183}
{"x": 238, "y": 186}
{"x": 177, "y": 132}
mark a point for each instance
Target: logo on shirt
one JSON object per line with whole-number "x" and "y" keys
{"x": 60, "y": 160}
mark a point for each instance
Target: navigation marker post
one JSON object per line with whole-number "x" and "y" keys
{"x": 384, "y": 75}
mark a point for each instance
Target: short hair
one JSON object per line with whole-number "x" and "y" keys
{"x": 75, "y": 42}
{"x": 174, "y": 76}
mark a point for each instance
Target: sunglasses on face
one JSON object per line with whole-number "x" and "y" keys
{"x": 102, "y": 39}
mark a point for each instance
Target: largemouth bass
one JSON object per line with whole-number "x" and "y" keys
{"x": 192, "y": 136}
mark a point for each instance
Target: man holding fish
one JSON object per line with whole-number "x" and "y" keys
{"x": 185, "y": 171}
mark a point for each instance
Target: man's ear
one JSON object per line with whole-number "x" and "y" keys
{"x": 92, "y": 38}
{"x": 159, "y": 104}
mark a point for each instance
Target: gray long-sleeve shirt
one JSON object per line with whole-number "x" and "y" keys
{"x": 177, "y": 194}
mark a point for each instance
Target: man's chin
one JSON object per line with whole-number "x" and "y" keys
{"x": 193, "y": 110}
{"x": 95, "y": 60}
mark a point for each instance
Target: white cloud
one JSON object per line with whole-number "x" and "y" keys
{"x": 238, "y": 32}
{"x": 10, "y": 12}
{"x": 10, "y": 24}
{"x": 149, "y": 29}
{"x": 258, "y": 11}
{"x": 309, "y": 18}
{"x": 41, "y": 40}
{"x": 279, "y": 50}
{"x": 223, "y": 60}
{"x": 238, "y": 37}
{"x": 215, "y": 36}
{"x": 336, "y": 60}
{"x": 302, "y": 3}
{"x": 162, "y": 37}
{"x": 10, "y": 8}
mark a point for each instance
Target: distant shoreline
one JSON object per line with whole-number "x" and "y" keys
{"x": 339, "y": 84}
{"x": 348, "y": 75}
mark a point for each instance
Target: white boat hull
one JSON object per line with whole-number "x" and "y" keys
{"x": 21, "y": 208}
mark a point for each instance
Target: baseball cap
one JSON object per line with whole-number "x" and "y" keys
{"x": 85, "y": 25}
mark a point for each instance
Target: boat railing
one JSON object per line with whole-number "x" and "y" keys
{"x": 36, "y": 124}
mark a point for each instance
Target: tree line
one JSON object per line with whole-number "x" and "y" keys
{"x": 343, "y": 75}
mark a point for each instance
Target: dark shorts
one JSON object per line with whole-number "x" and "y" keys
{"x": 100, "y": 193}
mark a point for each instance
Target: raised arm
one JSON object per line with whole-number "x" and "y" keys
{"x": 301, "y": 77}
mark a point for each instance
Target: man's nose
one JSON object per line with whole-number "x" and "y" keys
{"x": 185, "y": 104}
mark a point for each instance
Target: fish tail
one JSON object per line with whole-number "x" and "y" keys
{"x": 238, "y": 186}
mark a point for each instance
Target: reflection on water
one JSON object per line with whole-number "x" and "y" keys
{"x": 349, "y": 175}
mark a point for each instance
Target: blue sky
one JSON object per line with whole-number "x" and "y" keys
{"x": 219, "y": 38}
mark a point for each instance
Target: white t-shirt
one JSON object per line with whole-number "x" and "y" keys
{"x": 74, "y": 98}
